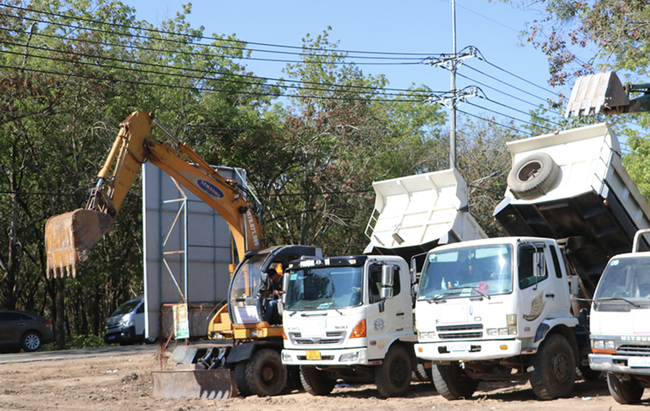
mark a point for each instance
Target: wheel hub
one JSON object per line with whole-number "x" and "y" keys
{"x": 560, "y": 367}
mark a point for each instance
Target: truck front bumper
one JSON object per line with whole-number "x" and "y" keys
{"x": 620, "y": 364}
{"x": 468, "y": 350}
{"x": 349, "y": 356}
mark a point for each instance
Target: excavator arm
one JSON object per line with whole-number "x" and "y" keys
{"x": 70, "y": 236}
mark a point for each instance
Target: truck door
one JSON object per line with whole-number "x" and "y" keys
{"x": 384, "y": 316}
{"x": 537, "y": 288}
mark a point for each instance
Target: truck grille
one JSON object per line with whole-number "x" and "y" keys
{"x": 457, "y": 332}
{"x": 634, "y": 350}
{"x": 331, "y": 337}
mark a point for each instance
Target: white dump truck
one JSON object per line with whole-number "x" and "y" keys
{"x": 620, "y": 323}
{"x": 501, "y": 309}
{"x": 620, "y": 314}
{"x": 351, "y": 317}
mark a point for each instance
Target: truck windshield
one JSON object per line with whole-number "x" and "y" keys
{"x": 324, "y": 288}
{"x": 625, "y": 284}
{"x": 466, "y": 272}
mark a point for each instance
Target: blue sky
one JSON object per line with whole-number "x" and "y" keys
{"x": 411, "y": 26}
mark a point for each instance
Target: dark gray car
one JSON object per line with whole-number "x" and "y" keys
{"x": 24, "y": 330}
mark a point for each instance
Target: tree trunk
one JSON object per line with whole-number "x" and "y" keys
{"x": 59, "y": 334}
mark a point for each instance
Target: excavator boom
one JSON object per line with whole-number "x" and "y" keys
{"x": 70, "y": 236}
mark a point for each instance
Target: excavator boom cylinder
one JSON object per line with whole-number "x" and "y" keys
{"x": 70, "y": 236}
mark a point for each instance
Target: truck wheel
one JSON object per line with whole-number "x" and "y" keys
{"x": 421, "y": 374}
{"x": 452, "y": 382}
{"x": 393, "y": 376}
{"x": 315, "y": 381}
{"x": 31, "y": 341}
{"x": 240, "y": 378}
{"x": 265, "y": 373}
{"x": 555, "y": 369}
{"x": 624, "y": 392}
{"x": 533, "y": 176}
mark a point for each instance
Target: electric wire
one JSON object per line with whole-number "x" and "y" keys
{"x": 506, "y": 116}
{"x": 407, "y": 55}
{"x": 212, "y": 38}
{"x": 505, "y": 83}
{"x": 506, "y": 94}
{"x": 194, "y": 70}
{"x": 492, "y": 122}
{"x": 207, "y": 89}
{"x": 203, "y": 78}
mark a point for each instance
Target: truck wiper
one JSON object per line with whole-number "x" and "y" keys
{"x": 473, "y": 288}
{"x": 441, "y": 296}
{"x": 617, "y": 299}
{"x": 482, "y": 294}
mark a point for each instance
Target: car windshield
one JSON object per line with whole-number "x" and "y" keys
{"x": 324, "y": 288}
{"x": 127, "y": 307}
{"x": 625, "y": 281}
{"x": 465, "y": 272}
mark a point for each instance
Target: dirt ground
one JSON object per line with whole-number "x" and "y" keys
{"x": 124, "y": 382}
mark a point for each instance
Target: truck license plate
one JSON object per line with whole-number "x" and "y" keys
{"x": 455, "y": 347}
{"x": 313, "y": 355}
{"x": 638, "y": 362}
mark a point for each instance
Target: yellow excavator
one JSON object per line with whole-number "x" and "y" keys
{"x": 244, "y": 327}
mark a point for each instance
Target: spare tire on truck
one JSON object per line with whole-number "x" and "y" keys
{"x": 533, "y": 176}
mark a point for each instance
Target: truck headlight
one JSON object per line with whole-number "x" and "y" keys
{"x": 128, "y": 323}
{"x": 424, "y": 335}
{"x": 354, "y": 356}
{"x": 492, "y": 332}
{"x": 286, "y": 357}
{"x": 603, "y": 344}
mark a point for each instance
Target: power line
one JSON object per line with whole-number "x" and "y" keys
{"x": 249, "y": 77}
{"x": 199, "y": 88}
{"x": 200, "y": 78}
{"x": 504, "y": 115}
{"x": 492, "y": 122}
{"x": 416, "y": 56}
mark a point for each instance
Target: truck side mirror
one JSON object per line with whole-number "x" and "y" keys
{"x": 386, "y": 293}
{"x": 387, "y": 275}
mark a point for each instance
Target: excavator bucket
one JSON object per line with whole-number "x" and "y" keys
{"x": 598, "y": 92}
{"x": 70, "y": 236}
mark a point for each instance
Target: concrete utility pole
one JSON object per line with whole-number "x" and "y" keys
{"x": 452, "y": 114}
{"x": 454, "y": 96}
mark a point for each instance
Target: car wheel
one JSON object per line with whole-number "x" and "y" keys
{"x": 31, "y": 341}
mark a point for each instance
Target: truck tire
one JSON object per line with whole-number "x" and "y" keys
{"x": 240, "y": 378}
{"x": 393, "y": 376}
{"x": 555, "y": 369}
{"x": 452, "y": 382}
{"x": 421, "y": 373}
{"x": 624, "y": 392}
{"x": 265, "y": 373}
{"x": 533, "y": 176}
{"x": 315, "y": 381}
